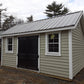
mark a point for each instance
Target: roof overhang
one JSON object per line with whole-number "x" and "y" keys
{"x": 40, "y": 31}
{"x": 82, "y": 23}
{"x": 80, "y": 19}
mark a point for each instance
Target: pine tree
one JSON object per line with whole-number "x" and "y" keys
{"x": 29, "y": 19}
{"x": 55, "y": 9}
{"x": 8, "y": 22}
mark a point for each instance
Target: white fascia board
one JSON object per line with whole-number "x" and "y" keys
{"x": 78, "y": 19}
{"x": 37, "y": 32}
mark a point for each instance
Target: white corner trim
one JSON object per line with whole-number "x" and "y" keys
{"x": 46, "y": 46}
{"x": 1, "y": 51}
{"x": 46, "y": 41}
{"x": 39, "y": 52}
{"x": 70, "y": 56}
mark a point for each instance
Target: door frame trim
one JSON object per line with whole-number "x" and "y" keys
{"x": 17, "y": 55}
{"x": 38, "y": 53}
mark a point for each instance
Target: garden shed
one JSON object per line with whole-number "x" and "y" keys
{"x": 53, "y": 46}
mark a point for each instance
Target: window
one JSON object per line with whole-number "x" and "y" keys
{"x": 53, "y": 44}
{"x": 9, "y": 45}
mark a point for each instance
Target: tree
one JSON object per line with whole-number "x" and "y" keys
{"x": 8, "y": 22}
{"x": 19, "y": 21}
{"x": 11, "y": 21}
{"x": 29, "y": 19}
{"x": 55, "y": 9}
{"x": 1, "y": 10}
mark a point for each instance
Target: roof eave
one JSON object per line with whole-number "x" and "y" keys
{"x": 40, "y": 31}
{"x": 46, "y": 30}
{"x": 82, "y": 23}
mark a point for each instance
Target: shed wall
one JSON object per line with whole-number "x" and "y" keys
{"x": 9, "y": 59}
{"x": 77, "y": 49}
{"x": 55, "y": 65}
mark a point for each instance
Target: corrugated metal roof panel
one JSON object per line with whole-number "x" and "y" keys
{"x": 1, "y": 33}
{"x": 57, "y": 22}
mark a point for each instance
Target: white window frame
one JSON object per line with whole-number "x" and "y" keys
{"x": 6, "y": 48}
{"x": 46, "y": 45}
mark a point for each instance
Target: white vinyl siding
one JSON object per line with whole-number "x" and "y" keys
{"x": 77, "y": 49}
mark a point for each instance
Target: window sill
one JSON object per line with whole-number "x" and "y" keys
{"x": 52, "y": 54}
{"x": 9, "y": 52}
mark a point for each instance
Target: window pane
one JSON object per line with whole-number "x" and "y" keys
{"x": 53, "y": 47}
{"x": 9, "y": 40}
{"x": 50, "y": 47}
{"x": 53, "y": 42}
{"x": 56, "y": 48}
{"x": 56, "y": 38}
{"x": 9, "y": 47}
{"x": 50, "y": 39}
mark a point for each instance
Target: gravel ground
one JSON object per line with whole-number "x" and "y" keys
{"x": 20, "y": 76}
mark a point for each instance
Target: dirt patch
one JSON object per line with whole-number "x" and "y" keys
{"x": 16, "y": 76}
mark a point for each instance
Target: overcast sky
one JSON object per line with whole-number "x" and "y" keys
{"x": 25, "y": 8}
